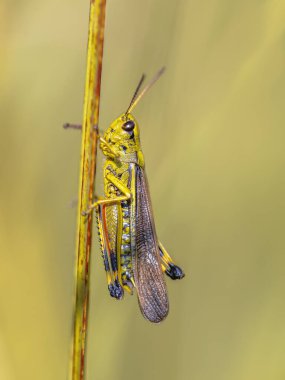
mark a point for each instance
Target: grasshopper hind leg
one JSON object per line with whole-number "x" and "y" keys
{"x": 108, "y": 250}
{"x": 172, "y": 270}
{"x": 116, "y": 290}
{"x": 109, "y": 258}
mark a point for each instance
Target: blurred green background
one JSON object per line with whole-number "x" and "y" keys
{"x": 213, "y": 136}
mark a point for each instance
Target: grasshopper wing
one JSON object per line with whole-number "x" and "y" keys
{"x": 149, "y": 279}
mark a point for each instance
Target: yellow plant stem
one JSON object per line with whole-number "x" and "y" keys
{"x": 86, "y": 182}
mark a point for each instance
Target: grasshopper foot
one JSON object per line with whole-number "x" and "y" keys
{"x": 116, "y": 290}
{"x": 174, "y": 272}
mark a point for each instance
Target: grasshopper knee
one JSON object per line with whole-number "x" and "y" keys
{"x": 174, "y": 272}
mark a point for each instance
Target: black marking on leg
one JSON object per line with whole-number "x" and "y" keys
{"x": 116, "y": 290}
{"x": 106, "y": 263}
{"x": 174, "y": 272}
{"x": 114, "y": 264}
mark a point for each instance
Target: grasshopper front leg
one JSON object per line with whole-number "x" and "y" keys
{"x": 100, "y": 138}
{"x": 168, "y": 266}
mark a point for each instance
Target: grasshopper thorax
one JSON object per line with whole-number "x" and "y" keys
{"x": 122, "y": 140}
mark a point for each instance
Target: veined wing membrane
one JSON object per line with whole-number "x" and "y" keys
{"x": 149, "y": 279}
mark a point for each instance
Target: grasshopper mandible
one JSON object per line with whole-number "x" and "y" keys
{"x": 133, "y": 256}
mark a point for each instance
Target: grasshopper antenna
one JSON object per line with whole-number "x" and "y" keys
{"x": 135, "y": 93}
{"x": 136, "y": 98}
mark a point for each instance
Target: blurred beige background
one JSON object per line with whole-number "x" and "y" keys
{"x": 213, "y": 135}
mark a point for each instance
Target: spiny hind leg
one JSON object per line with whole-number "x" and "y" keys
{"x": 168, "y": 266}
{"x": 115, "y": 288}
{"x": 109, "y": 258}
{"x": 117, "y": 285}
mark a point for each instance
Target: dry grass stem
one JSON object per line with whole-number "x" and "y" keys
{"x": 86, "y": 183}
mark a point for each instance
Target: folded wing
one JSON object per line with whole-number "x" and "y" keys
{"x": 149, "y": 279}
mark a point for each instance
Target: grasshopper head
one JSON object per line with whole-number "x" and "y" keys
{"x": 122, "y": 138}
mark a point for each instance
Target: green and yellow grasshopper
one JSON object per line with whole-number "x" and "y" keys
{"x": 133, "y": 256}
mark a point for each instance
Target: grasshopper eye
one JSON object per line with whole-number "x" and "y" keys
{"x": 128, "y": 126}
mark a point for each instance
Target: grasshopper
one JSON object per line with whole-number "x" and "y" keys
{"x": 132, "y": 254}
